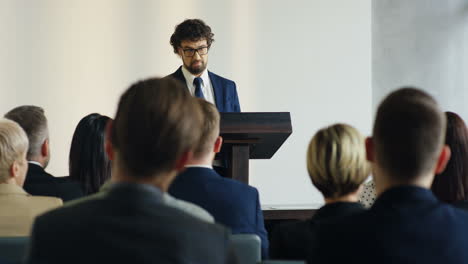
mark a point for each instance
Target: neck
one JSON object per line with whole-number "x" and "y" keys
{"x": 350, "y": 198}
{"x": 39, "y": 160}
{"x": 206, "y": 159}
{"x": 384, "y": 181}
{"x": 161, "y": 181}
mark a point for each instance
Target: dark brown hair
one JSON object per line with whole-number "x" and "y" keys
{"x": 191, "y": 30}
{"x": 34, "y": 122}
{"x": 409, "y": 132}
{"x": 452, "y": 185}
{"x": 210, "y": 127}
{"x": 157, "y": 120}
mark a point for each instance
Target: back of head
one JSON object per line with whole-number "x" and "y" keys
{"x": 210, "y": 128}
{"x": 13, "y": 146}
{"x": 33, "y": 121}
{"x": 191, "y": 30}
{"x": 452, "y": 185}
{"x": 88, "y": 161}
{"x": 336, "y": 160}
{"x": 157, "y": 121}
{"x": 408, "y": 134}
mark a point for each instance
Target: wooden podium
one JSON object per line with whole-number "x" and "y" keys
{"x": 251, "y": 136}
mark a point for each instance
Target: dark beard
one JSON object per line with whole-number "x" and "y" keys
{"x": 196, "y": 71}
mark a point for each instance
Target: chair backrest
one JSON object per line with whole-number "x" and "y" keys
{"x": 282, "y": 262}
{"x": 247, "y": 248}
{"x": 13, "y": 249}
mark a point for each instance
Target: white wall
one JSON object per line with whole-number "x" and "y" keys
{"x": 309, "y": 57}
{"x": 422, "y": 43}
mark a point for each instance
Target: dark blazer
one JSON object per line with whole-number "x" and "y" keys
{"x": 128, "y": 223}
{"x": 407, "y": 224}
{"x": 461, "y": 205}
{"x": 225, "y": 92}
{"x": 293, "y": 240}
{"x": 39, "y": 182}
{"x": 231, "y": 203}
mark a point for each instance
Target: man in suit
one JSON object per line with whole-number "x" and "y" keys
{"x": 17, "y": 208}
{"x": 232, "y": 203}
{"x": 406, "y": 224}
{"x": 38, "y": 182}
{"x": 192, "y": 40}
{"x": 153, "y": 134}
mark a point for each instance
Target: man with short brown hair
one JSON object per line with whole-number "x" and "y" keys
{"x": 232, "y": 203}
{"x": 407, "y": 223}
{"x": 153, "y": 135}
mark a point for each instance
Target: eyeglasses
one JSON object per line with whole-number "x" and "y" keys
{"x": 191, "y": 52}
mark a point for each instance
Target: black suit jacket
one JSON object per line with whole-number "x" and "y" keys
{"x": 128, "y": 223}
{"x": 293, "y": 240}
{"x": 225, "y": 91}
{"x": 39, "y": 182}
{"x": 231, "y": 203}
{"x": 406, "y": 224}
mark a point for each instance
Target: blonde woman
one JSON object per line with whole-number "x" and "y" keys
{"x": 337, "y": 166}
{"x": 17, "y": 208}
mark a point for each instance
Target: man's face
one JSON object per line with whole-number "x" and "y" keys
{"x": 196, "y": 63}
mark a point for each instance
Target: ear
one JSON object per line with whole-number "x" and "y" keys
{"x": 183, "y": 160}
{"x": 45, "y": 148}
{"x": 443, "y": 159}
{"x": 14, "y": 169}
{"x": 218, "y": 144}
{"x": 369, "y": 149}
{"x": 108, "y": 148}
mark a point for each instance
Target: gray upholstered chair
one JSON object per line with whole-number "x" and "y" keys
{"x": 13, "y": 249}
{"x": 247, "y": 248}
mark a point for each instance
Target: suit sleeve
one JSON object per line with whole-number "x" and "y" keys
{"x": 261, "y": 231}
{"x": 235, "y": 99}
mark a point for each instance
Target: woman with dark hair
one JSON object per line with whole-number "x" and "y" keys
{"x": 451, "y": 186}
{"x": 88, "y": 161}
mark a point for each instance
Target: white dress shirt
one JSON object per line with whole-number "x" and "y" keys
{"x": 206, "y": 86}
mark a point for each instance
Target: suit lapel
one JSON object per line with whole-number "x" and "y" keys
{"x": 178, "y": 75}
{"x": 217, "y": 90}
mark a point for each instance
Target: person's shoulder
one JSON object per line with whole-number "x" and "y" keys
{"x": 220, "y": 78}
{"x": 239, "y": 185}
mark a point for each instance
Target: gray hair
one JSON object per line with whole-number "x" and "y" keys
{"x": 33, "y": 121}
{"x": 13, "y": 145}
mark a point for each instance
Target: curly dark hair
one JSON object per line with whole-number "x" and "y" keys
{"x": 192, "y": 30}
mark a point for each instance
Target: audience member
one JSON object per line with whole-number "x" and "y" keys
{"x": 88, "y": 161}
{"x": 407, "y": 223}
{"x": 17, "y": 208}
{"x": 90, "y": 166}
{"x": 337, "y": 166}
{"x": 451, "y": 186}
{"x": 38, "y": 181}
{"x": 232, "y": 203}
{"x": 155, "y": 130}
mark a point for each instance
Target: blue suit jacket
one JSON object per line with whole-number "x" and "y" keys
{"x": 406, "y": 224}
{"x": 225, "y": 92}
{"x": 232, "y": 203}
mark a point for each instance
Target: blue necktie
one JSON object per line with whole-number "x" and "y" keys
{"x": 198, "y": 91}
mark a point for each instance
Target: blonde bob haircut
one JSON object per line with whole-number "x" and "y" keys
{"x": 13, "y": 145}
{"x": 336, "y": 160}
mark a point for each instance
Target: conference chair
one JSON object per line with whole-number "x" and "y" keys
{"x": 247, "y": 248}
{"x": 13, "y": 249}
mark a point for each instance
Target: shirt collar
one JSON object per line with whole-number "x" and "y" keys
{"x": 35, "y": 163}
{"x": 190, "y": 77}
{"x": 199, "y": 166}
